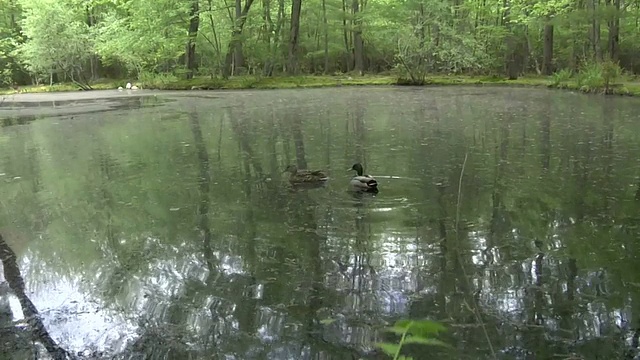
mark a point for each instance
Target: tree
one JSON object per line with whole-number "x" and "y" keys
{"x": 296, "y": 6}
{"x": 57, "y": 39}
{"x": 190, "y": 53}
{"x": 234, "y": 51}
{"x": 412, "y": 38}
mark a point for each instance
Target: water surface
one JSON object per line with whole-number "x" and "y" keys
{"x": 161, "y": 226}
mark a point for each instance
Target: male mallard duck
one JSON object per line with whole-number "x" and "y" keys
{"x": 361, "y": 181}
{"x": 304, "y": 176}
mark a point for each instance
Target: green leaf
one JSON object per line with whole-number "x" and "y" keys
{"x": 402, "y": 357}
{"x": 424, "y": 341}
{"x": 388, "y": 348}
{"x": 327, "y": 321}
{"x": 397, "y": 330}
{"x": 405, "y": 324}
{"x": 422, "y": 328}
{"x": 426, "y": 327}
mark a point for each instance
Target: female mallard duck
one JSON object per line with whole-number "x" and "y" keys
{"x": 362, "y": 182}
{"x": 304, "y": 176}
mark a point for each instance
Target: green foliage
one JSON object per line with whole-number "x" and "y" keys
{"x": 6, "y": 73}
{"x": 561, "y": 77}
{"x": 413, "y": 39}
{"x": 249, "y": 82}
{"x": 597, "y": 76}
{"x": 421, "y": 332}
{"x": 155, "y": 80}
{"x": 57, "y": 38}
{"x": 9, "y": 66}
{"x": 590, "y": 76}
{"x": 611, "y": 71}
{"x": 148, "y": 35}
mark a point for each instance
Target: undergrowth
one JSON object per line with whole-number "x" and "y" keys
{"x": 155, "y": 80}
{"x": 605, "y": 78}
{"x": 593, "y": 77}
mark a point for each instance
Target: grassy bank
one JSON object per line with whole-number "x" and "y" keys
{"x": 622, "y": 87}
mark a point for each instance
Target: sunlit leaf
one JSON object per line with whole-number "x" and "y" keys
{"x": 404, "y": 324}
{"x": 389, "y": 349}
{"x": 424, "y": 327}
{"x": 327, "y": 321}
{"x": 424, "y": 341}
{"x": 397, "y": 330}
{"x": 417, "y": 327}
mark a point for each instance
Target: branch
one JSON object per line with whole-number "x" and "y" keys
{"x": 16, "y": 283}
{"x": 404, "y": 64}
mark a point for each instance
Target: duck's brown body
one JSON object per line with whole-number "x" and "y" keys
{"x": 305, "y": 176}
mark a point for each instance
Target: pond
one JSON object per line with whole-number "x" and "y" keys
{"x": 161, "y": 225}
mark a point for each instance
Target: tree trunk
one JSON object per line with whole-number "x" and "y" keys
{"x": 281, "y": 19}
{"x": 12, "y": 17}
{"x": 93, "y": 59}
{"x": 233, "y": 48}
{"x": 238, "y": 57}
{"x": 326, "y": 37}
{"x": 614, "y": 32}
{"x": 510, "y": 54}
{"x": 268, "y": 31}
{"x": 358, "y": 44}
{"x": 345, "y": 33}
{"x": 194, "y": 24}
{"x": 296, "y": 6}
{"x": 547, "y": 50}
{"x": 216, "y": 41}
{"x": 595, "y": 32}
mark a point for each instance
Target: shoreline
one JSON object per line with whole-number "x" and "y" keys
{"x": 622, "y": 88}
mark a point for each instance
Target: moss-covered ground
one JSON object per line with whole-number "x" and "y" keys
{"x": 622, "y": 86}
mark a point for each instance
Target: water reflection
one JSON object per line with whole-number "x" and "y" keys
{"x": 508, "y": 214}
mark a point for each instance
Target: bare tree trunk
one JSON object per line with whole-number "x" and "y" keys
{"x": 93, "y": 59}
{"x": 12, "y": 18}
{"x": 268, "y": 31}
{"x": 216, "y": 41}
{"x": 510, "y": 56}
{"x": 194, "y": 24}
{"x": 345, "y": 33}
{"x": 233, "y": 48}
{"x": 358, "y": 43}
{"x": 614, "y": 32}
{"x": 595, "y": 32}
{"x": 296, "y": 7}
{"x": 279, "y": 24}
{"x": 547, "y": 50}
{"x": 238, "y": 57}
{"x": 326, "y": 37}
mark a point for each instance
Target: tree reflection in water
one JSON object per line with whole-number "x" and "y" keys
{"x": 170, "y": 232}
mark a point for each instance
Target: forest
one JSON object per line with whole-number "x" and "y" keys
{"x": 50, "y": 41}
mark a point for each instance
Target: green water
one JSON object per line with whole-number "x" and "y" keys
{"x": 165, "y": 229}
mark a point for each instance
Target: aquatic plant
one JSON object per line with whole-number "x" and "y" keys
{"x": 412, "y": 332}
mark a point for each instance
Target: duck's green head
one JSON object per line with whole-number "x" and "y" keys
{"x": 358, "y": 168}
